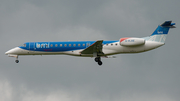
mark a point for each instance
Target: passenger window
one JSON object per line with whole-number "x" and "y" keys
{"x": 65, "y": 45}
{"x": 60, "y": 45}
{"x": 79, "y": 45}
{"x": 56, "y": 45}
{"x": 51, "y": 45}
{"x": 107, "y": 44}
{"x": 83, "y": 44}
{"x": 74, "y": 45}
{"x": 111, "y": 44}
{"x": 69, "y": 45}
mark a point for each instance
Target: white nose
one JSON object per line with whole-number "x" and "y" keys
{"x": 13, "y": 51}
{"x": 7, "y": 53}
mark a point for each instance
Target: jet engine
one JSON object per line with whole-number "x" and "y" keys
{"x": 130, "y": 42}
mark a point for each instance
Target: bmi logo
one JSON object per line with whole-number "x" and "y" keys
{"x": 38, "y": 45}
{"x": 160, "y": 32}
{"x": 42, "y": 45}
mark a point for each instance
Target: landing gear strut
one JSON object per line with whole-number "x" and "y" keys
{"x": 17, "y": 61}
{"x": 98, "y": 60}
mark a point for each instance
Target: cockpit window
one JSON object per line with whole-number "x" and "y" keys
{"x": 23, "y": 45}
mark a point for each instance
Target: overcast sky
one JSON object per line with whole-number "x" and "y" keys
{"x": 149, "y": 76}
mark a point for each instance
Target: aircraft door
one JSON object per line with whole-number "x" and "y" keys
{"x": 31, "y": 46}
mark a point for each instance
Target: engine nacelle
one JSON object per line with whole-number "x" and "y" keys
{"x": 132, "y": 42}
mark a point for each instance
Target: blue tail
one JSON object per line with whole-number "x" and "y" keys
{"x": 161, "y": 32}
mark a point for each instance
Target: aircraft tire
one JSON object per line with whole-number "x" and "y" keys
{"x": 97, "y": 59}
{"x": 100, "y": 63}
{"x": 17, "y": 61}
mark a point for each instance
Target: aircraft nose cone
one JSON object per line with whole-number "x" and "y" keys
{"x": 6, "y": 53}
{"x": 12, "y": 51}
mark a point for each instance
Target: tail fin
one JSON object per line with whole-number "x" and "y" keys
{"x": 160, "y": 34}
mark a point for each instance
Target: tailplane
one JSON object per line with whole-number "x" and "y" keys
{"x": 160, "y": 34}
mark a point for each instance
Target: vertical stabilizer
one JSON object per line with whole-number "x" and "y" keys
{"x": 160, "y": 34}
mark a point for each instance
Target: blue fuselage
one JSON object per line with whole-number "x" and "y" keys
{"x": 59, "y": 46}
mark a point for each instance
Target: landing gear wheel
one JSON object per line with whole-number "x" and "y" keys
{"x": 97, "y": 59}
{"x": 100, "y": 63}
{"x": 17, "y": 61}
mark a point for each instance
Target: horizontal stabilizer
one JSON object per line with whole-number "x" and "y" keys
{"x": 168, "y": 24}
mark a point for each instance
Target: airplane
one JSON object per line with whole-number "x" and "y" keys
{"x": 96, "y": 49}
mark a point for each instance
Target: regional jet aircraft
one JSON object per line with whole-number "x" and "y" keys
{"x": 96, "y": 49}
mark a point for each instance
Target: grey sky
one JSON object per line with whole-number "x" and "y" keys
{"x": 148, "y": 76}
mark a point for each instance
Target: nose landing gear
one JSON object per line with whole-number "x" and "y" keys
{"x": 98, "y": 60}
{"x": 16, "y": 56}
{"x": 17, "y": 61}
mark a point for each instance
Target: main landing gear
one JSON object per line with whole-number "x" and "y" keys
{"x": 98, "y": 60}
